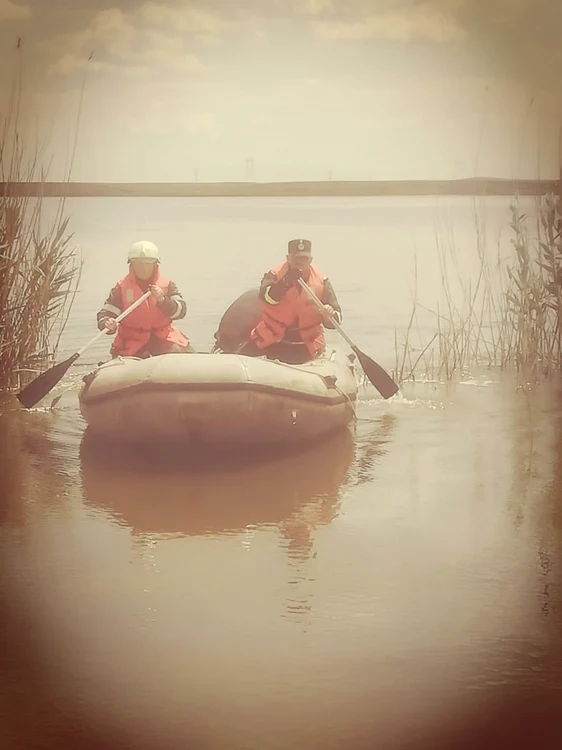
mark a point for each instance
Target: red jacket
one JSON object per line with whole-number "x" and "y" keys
{"x": 294, "y": 306}
{"x": 147, "y": 320}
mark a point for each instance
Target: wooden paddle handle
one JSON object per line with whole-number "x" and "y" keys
{"x": 120, "y": 317}
{"x": 313, "y": 297}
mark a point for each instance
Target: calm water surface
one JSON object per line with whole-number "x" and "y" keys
{"x": 396, "y": 586}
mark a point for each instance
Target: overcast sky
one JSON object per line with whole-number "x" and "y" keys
{"x": 308, "y": 89}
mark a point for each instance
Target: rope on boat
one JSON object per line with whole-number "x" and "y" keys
{"x": 343, "y": 393}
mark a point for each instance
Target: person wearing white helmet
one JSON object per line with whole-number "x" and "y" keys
{"x": 149, "y": 329}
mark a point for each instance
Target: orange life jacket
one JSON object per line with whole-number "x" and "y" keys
{"x": 146, "y": 320}
{"x": 295, "y": 307}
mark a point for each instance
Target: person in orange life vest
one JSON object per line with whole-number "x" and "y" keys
{"x": 291, "y": 329}
{"x": 148, "y": 330}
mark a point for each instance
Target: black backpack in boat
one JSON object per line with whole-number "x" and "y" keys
{"x": 239, "y": 319}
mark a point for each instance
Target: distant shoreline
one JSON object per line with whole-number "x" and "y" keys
{"x": 479, "y": 186}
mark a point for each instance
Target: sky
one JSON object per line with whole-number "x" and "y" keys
{"x": 227, "y": 90}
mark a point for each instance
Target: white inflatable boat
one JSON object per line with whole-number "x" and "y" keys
{"x": 219, "y": 398}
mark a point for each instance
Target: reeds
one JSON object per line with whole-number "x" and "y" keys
{"x": 39, "y": 268}
{"x": 507, "y": 315}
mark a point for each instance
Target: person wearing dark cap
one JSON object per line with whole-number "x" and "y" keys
{"x": 291, "y": 328}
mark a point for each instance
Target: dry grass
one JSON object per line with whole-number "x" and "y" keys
{"x": 39, "y": 266}
{"x": 508, "y": 315}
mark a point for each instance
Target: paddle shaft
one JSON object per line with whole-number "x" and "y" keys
{"x": 120, "y": 317}
{"x": 38, "y": 388}
{"x": 374, "y": 372}
{"x": 312, "y": 296}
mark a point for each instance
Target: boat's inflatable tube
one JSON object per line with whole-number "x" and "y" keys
{"x": 219, "y": 398}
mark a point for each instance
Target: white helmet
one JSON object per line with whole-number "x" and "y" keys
{"x": 143, "y": 250}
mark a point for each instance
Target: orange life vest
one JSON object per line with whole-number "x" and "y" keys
{"x": 146, "y": 320}
{"x": 295, "y": 306}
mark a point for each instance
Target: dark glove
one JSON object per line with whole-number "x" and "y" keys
{"x": 280, "y": 288}
{"x": 292, "y": 275}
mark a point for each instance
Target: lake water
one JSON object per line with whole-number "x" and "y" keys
{"x": 397, "y": 586}
{"x": 216, "y": 249}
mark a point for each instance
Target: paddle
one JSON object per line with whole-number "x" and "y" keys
{"x": 382, "y": 381}
{"x": 45, "y": 382}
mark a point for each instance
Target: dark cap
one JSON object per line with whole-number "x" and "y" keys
{"x": 300, "y": 247}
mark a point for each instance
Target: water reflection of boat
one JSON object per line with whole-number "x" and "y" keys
{"x": 156, "y": 491}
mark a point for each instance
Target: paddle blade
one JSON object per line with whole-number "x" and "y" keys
{"x": 382, "y": 381}
{"x": 42, "y": 384}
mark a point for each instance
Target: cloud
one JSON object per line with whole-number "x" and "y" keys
{"x": 419, "y": 21}
{"x": 514, "y": 38}
{"x": 9, "y": 11}
{"x": 312, "y": 7}
{"x": 151, "y": 39}
{"x": 197, "y": 22}
{"x": 520, "y": 37}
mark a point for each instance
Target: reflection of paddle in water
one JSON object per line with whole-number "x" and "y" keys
{"x": 370, "y": 446}
{"x": 298, "y": 528}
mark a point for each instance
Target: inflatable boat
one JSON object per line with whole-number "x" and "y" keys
{"x": 219, "y": 398}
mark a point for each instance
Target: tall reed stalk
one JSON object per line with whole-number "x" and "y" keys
{"x": 39, "y": 266}
{"x": 508, "y": 315}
